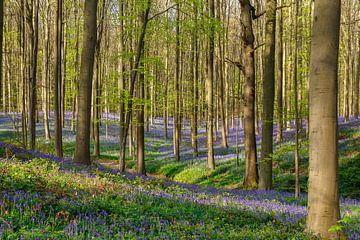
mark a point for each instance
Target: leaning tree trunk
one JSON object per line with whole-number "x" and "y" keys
{"x": 251, "y": 172}
{"x": 323, "y": 199}
{"x": 139, "y": 54}
{"x": 82, "y": 151}
{"x": 265, "y": 166}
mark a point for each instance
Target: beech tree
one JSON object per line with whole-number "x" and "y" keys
{"x": 82, "y": 152}
{"x": 323, "y": 199}
{"x": 265, "y": 165}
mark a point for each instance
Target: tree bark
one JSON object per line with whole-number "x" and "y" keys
{"x": 82, "y": 151}
{"x": 251, "y": 171}
{"x": 209, "y": 93}
{"x": 139, "y": 54}
{"x": 265, "y": 166}
{"x": 140, "y": 126}
{"x": 57, "y": 81}
{"x": 323, "y": 198}
{"x": 279, "y": 75}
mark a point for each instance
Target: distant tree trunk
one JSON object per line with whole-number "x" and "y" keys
{"x": 34, "y": 29}
{"x": 76, "y": 66}
{"x": 82, "y": 151}
{"x": 23, "y": 72}
{"x": 265, "y": 166}
{"x": 279, "y": 75}
{"x": 176, "y": 120}
{"x": 46, "y": 73}
{"x": 195, "y": 90}
{"x": 222, "y": 79}
{"x": 251, "y": 172}
{"x": 97, "y": 83}
{"x": 165, "y": 93}
{"x": 356, "y": 84}
{"x": 122, "y": 86}
{"x": 57, "y": 81}
{"x": 323, "y": 199}
{"x": 1, "y": 46}
{"x": 296, "y": 107}
{"x": 140, "y": 126}
{"x": 209, "y": 93}
{"x": 139, "y": 54}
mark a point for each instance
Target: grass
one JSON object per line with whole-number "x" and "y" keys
{"x": 228, "y": 173}
{"x": 41, "y": 199}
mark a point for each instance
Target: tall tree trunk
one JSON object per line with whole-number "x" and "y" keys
{"x": 176, "y": 120}
{"x": 357, "y": 80}
{"x": 97, "y": 83}
{"x": 251, "y": 171}
{"x": 57, "y": 81}
{"x": 140, "y": 117}
{"x": 46, "y": 73}
{"x": 1, "y": 46}
{"x": 82, "y": 151}
{"x": 139, "y": 54}
{"x": 296, "y": 107}
{"x": 121, "y": 80}
{"x": 265, "y": 166}
{"x": 209, "y": 92}
{"x": 76, "y": 66}
{"x": 34, "y": 26}
{"x": 222, "y": 79}
{"x": 195, "y": 90}
{"x": 323, "y": 199}
{"x": 279, "y": 75}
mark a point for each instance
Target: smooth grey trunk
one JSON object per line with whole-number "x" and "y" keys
{"x": 323, "y": 198}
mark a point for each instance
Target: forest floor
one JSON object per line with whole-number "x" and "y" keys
{"x": 160, "y": 160}
{"x": 42, "y": 196}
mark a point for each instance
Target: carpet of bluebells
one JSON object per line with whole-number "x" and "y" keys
{"x": 45, "y": 197}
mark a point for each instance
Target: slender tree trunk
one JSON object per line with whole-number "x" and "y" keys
{"x": 76, "y": 67}
{"x": 46, "y": 73}
{"x": 82, "y": 151}
{"x": 279, "y": 75}
{"x": 357, "y": 80}
{"x": 121, "y": 80}
{"x": 1, "y": 46}
{"x": 140, "y": 117}
{"x": 265, "y": 166}
{"x": 209, "y": 93}
{"x": 57, "y": 81}
{"x": 176, "y": 120}
{"x": 251, "y": 171}
{"x": 323, "y": 199}
{"x": 296, "y": 107}
{"x": 34, "y": 26}
{"x": 139, "y": 54}
{"x": 195, "y": 91}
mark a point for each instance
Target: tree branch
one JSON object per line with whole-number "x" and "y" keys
{"x": 237, "y": 64}
{"x": 162, "y": 12}
{"x": 256, "y": 16}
